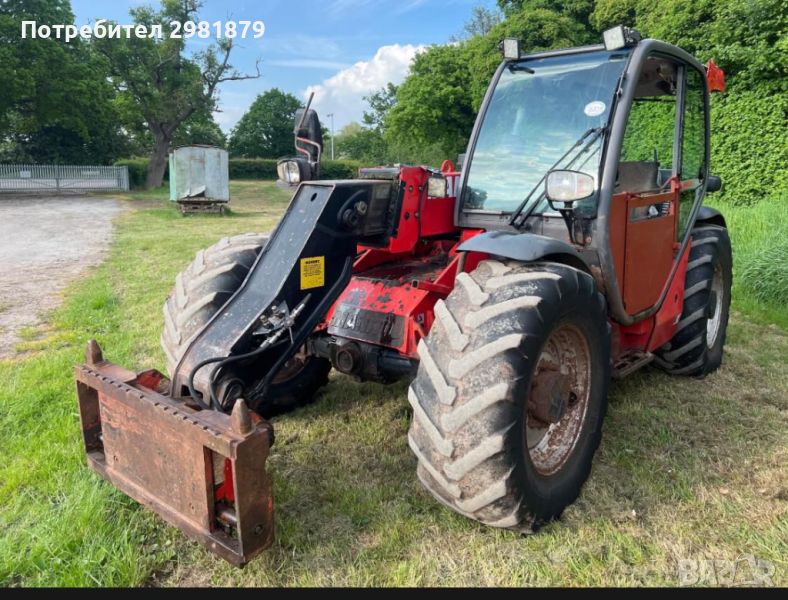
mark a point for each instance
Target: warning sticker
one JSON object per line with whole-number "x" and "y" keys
{"x": 313, "y": 272}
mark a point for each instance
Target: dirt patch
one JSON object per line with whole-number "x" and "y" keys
{"x": 45, "y": 243}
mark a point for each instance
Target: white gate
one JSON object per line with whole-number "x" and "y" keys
{"x": 61, "y": 178}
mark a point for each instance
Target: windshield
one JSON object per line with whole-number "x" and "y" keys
{"x": 540, "y": 108}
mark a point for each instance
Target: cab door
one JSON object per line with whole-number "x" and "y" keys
{"x": 659, "y": 178}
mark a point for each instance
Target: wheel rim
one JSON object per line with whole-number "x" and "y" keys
{"x": 716, "y": 297}
{"x": 292, "y": 367}
{"x": 564, "y": 365}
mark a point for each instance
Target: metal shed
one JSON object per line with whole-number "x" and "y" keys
{"x": 199, "y": 178}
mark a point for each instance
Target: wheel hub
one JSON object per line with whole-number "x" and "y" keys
{"x": 558, "y": 399}
{"x": 549, "y": 396}
{"x": 292, "y": 367}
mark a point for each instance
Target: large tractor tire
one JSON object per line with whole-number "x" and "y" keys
{"x": 696, "y": 347}
{"x": 511, "y": 392}
{"x": 202, "y": 289}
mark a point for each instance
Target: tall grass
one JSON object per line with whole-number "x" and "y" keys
{"x": 759, "y": 235}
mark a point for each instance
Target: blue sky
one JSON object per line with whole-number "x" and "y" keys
{"x": 342, "y": 49}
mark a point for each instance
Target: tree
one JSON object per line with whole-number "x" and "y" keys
{"x": 579, "y": 10}
{"x": 436, "y": 105}
{"x": 167, "y": 86}
{"x": 536, "y": 28}
{"x": 200, "y": 128}
{"x": 380, "y": 104}
{"x": 56, "y": 104}
{"x": 366, "y": 142}
{"x": 266, "y": 129}
{"x": 433, "y": 105}
{"x": 481, "y": 22}
{"x": 361, "y": 143}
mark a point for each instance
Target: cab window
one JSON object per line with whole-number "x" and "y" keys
{"x": 693, "y": 147}
{"x": 647, "y": 160}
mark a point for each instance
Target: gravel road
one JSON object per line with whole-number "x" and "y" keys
{"x": 45, "y": 243}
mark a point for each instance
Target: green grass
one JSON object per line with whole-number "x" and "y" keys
{"x": 759, "y": 235}
{"x": 687, "y": 468}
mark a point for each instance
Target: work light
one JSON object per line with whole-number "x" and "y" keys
{"x": 510, "y": 48}
{"x": 621, "y": 37}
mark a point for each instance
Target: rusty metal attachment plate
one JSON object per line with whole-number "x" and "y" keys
{"x": 202, "y": 471}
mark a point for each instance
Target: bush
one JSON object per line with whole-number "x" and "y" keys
{"x": 265, "y": 168}
{"x": 138, "y": 170}
{"x": 749, "y": 146}
{"x": 252, "y": 168}
{"x": 339, "y": 169}
{"x": 247, "y": 168}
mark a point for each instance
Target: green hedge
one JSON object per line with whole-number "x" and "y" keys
{"x": 265, "y": 168}
{"x": 252, "y": 168}
{"x": 340, "y": 169}
{"x": 138, "y": 170}
{"x": 749, "y": 146}
{"x": 248, "y": 168}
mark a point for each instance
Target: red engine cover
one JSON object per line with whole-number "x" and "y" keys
{"x": 389, "y": 301}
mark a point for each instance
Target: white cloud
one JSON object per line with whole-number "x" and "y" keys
{"x": 227, "y": 117}
{"x": 343, "y": 93}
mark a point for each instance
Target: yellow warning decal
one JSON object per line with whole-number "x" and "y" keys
{"x": 313, "y": 272}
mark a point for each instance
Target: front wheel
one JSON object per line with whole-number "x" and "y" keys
{"x": 202, "y": 289}
{"x": 511, "y": 392}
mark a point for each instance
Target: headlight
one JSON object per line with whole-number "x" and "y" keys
{"x": 568, "y": 186}
{"x": 436, "y": 186}
{"x": 290, "y": 171}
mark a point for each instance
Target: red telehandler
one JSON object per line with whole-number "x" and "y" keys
{"x": 572, "y": 247}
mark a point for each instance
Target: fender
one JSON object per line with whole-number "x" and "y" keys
{"x": 710, "y": 216}
{"x": 526, "y": 247}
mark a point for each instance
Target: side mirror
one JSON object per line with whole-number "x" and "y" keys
{"x": 713, "y": 183}
{"x": 568, "y": 186}
{"x": 292, "y": 171}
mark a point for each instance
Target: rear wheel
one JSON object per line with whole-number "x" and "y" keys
{"x": 511, "y": 392}
{"x": 697, "y": 346}
{"x": 202, "y": 289}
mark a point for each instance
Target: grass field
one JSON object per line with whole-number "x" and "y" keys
{"x": 687, "y": 470}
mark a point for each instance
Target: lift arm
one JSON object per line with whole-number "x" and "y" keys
{"x": 204, "y": 470}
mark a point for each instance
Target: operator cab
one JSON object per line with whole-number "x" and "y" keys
{"x": 604, "y": 148}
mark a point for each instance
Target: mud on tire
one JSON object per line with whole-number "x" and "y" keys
{"x": 202, "y": 289}
{"x": 470, "y": 396}
{"x": 697, "y": 346}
